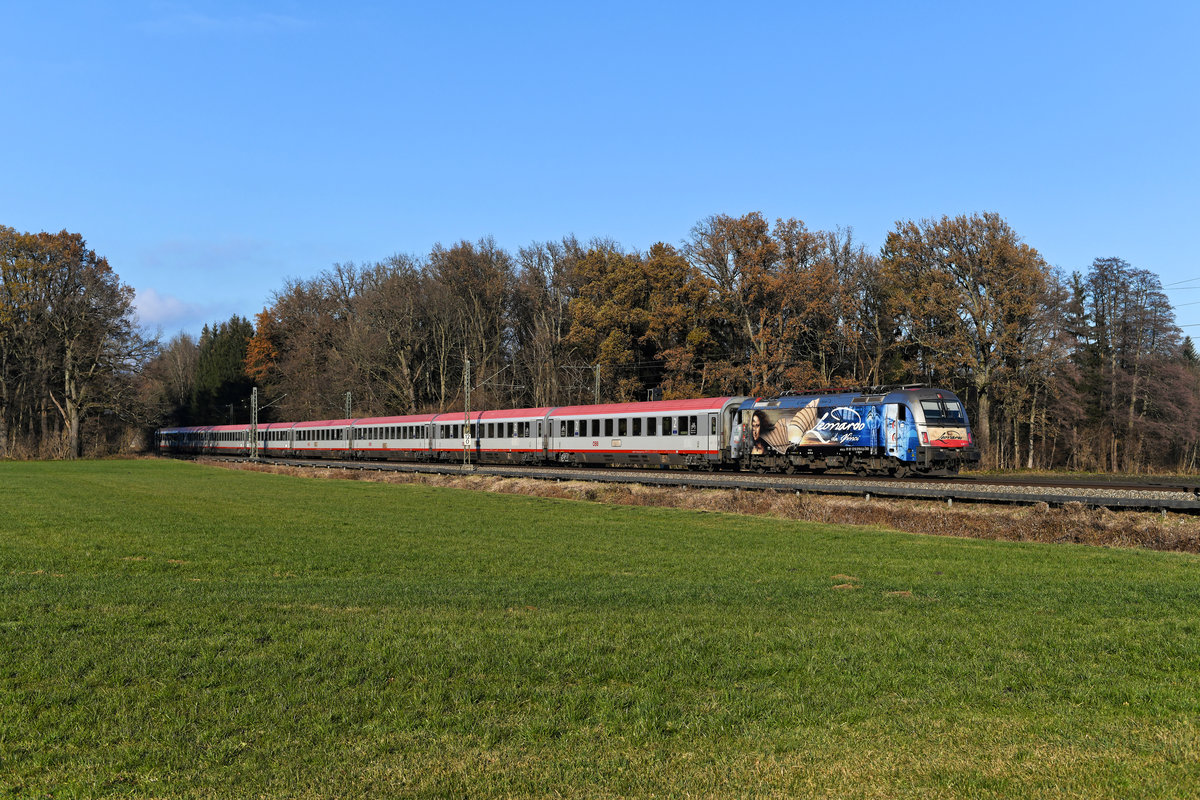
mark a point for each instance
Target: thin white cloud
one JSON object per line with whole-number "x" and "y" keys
{"x": 158, "y": 310}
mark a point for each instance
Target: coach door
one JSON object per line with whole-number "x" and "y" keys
{"x": 896, "y": 425}
{"x": 544, "y": 430}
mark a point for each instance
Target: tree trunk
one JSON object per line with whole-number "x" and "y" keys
{"x": 982, "y": 425}
{"x": 1032, "y": 418}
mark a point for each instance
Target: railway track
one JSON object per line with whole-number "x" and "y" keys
{"x": 1099, "y": 493}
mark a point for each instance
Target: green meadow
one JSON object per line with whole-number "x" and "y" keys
{"x": 175, "y": 630}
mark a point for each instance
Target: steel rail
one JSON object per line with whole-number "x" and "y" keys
{"x": 1135, "y": 497}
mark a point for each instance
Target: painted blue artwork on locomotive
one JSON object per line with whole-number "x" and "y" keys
{"x": 908, "y": 431}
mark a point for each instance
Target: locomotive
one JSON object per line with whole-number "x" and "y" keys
{"x": 900, "y": 431}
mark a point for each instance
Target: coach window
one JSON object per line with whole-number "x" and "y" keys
{"x": 622, "y": 427}
{"x": 666, "y": 431}
{"x": 712, "y": 425}
{"x": 692, "y": 426}
{"x": 608, "y": 427}
{"x": 651, "y": 426}
{"x": 637, "y": 426}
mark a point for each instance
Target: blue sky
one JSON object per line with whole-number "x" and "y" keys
{"x": 213, "y": 149}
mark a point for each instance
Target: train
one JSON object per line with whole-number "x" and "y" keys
{"x": 898, "y": 431}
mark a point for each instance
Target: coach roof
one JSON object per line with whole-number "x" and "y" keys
{"x": 650, "y": 407}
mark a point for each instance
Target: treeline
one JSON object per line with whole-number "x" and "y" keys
{"x": 1086, "y": 370}
{"x": 70, "y": 352}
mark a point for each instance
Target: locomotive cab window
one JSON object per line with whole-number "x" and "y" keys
{"x": 946, "y": 412}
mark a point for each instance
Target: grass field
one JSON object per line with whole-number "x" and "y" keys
{"x": 171, "y": 630}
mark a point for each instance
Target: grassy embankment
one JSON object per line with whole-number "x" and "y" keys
{"x": 169, "y": 629}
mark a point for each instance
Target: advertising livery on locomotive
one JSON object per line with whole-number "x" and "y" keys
{"x": 906, "y": 431}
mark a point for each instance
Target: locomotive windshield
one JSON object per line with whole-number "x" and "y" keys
{"x": 948, "y": 412}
